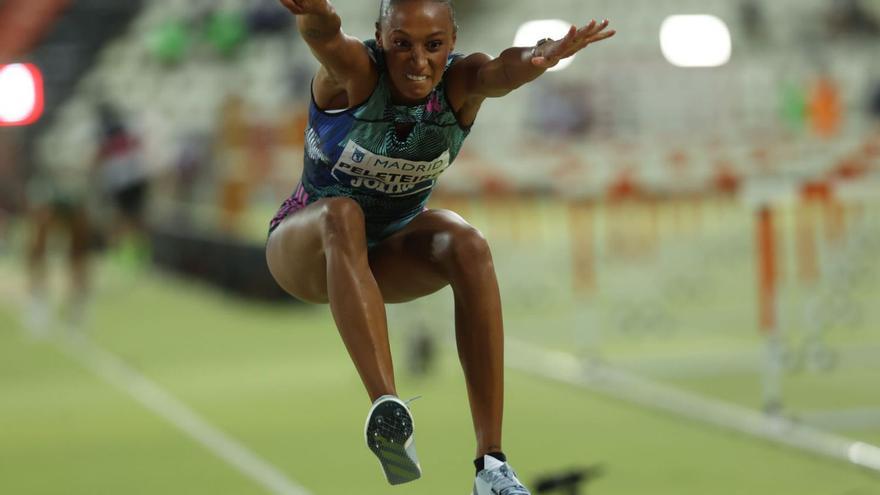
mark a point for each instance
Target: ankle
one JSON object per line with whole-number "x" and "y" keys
{"x": 377, "y": 396}
{"x": 480, "y": 462}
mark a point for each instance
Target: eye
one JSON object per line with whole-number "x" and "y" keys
{"x": 435, "y": 45}
{"x": 399, "y": 43}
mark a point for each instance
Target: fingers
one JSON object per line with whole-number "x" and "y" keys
{"x": 603, "y": 36}
{"x": 578, "y": 39}
{"x": 574, "y": 41}
{"x": 586, "y": 30}
{"x": 591, "y": 29}
{"x": 591, "y": 33}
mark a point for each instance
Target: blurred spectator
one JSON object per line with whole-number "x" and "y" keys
{"x": 191, "y": 162}
{"x": 123, "y": 178}
{"x": 793, "y": 106}
{"x": 874, "y": 101}
{"x": 57, "y": 199}
{"x": 169, "y": 42}
{"x": 562, "y": 110}
{"x": 4, "y": 228}
{"x": 825, "y": 107}
{"x": 267, "y": 16}
{"x": 226, "y": 31}
{"x": 753, "y": 20}
{"x": 200, "y": 13}
{"x": 11, "y": 188}
{"x": 850, "y": 17}
{"x": 233, "y": 166}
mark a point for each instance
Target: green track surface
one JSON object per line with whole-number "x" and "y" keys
{"x": 278, "y": 380}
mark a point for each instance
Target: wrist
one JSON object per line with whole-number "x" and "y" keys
{"x": 540, "y": 47}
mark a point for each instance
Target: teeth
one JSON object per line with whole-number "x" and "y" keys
{"x": 416, "y": 78}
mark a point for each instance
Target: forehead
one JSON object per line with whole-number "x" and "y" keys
{"x": 420, "y": 16}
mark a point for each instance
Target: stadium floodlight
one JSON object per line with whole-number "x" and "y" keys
{"x": 533, "y": 31}
{"x": 695, "y": 41}
{"x": 21, "y": 94}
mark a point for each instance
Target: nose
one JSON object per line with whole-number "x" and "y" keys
{"x": 419, "y": 58}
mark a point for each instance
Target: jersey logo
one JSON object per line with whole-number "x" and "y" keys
{"x": 358, "y": 156}
{"x": 361, "y": 169}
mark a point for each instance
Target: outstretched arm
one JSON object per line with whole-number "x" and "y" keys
{"x": 486, "y": 78}
{"x": 343, "y": 58}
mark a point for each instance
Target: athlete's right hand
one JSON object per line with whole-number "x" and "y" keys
{"x": 305, "y": 7}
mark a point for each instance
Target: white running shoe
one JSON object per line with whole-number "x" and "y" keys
{"x": 497, "y": 478}
{"x": 389, "y": 434}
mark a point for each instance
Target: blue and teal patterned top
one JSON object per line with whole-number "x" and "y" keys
{"x": 387, "y": 157}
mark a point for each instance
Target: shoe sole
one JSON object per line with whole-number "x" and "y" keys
{"x": 388, "y": 433}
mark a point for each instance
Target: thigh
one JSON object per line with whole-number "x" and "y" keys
{"x": 41, "y": 218}
{"x": 80, "y": 231}
{"x": 409, "y": 264}
{"x": 295, "y": 254}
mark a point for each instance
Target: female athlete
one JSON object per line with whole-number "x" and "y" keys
{"x": 387, "y": 117}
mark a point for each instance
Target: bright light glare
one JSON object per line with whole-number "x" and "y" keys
{"x": 532, "y": 32}
{"x": 18, "y": 94}
{"x": 864, "y": 454}
{"x": 695, "y": 41}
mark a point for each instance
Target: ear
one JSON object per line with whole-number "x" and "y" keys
{"x": 379, "y": 35}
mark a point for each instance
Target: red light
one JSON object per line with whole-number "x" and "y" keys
{"x": 21, "y": 94}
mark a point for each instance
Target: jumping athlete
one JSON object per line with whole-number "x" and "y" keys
{"x": 387, "y": 117}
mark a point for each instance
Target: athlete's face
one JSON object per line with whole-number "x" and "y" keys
{"x": 417, "y": 38}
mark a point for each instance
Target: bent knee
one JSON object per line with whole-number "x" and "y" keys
{"x": 466, "y": 248}
{"x": 342, "y": 220}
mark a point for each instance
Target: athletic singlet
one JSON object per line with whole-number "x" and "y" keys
{"x": 386, "y": 157}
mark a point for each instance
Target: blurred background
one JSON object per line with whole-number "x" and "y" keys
{"x": 685, "y": 223}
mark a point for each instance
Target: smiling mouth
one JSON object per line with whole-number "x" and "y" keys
{"x": 416, "y": 78}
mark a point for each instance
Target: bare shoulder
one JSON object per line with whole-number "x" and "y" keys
{"x": 467, "y": 68}
{"x": 462, "y": 82}
{"x": 351, "y": 86}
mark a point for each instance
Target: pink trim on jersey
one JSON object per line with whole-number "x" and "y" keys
{"x": 296, "y": 202}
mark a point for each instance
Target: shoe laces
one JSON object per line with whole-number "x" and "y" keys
{"x": 503, "y": 481}
{"x": 410, "y": 401}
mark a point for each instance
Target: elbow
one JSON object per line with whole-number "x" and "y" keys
{"x": 500, "y": 92}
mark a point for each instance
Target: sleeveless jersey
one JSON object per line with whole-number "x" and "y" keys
{"x": 386, "y": 157}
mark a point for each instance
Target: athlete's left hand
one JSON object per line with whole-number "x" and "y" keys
{"x": 550, "y": 53}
